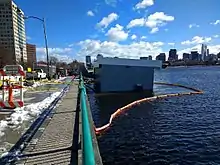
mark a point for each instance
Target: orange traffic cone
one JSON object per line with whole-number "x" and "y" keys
{"x": 10, "y": 96}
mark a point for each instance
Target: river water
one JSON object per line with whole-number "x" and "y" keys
{"x": 181, "y": 130}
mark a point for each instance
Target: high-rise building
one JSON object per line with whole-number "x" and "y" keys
{"x": 194, "y": 56}
{"x": 204, "y": 52}
{"x": 88, "y": 62}
{"x": 12, "y": 34}
{"x": 31, "y": 55}
{"x": 162, "y": 57}
{"x": 186, "y": 56}
{"x": 172, "y": 55}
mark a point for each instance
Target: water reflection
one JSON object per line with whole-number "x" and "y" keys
{"x": 178, "y": 130}
{"x": 103, "y": 105}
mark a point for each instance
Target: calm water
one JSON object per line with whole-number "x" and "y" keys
{"x": 183, "y": 130}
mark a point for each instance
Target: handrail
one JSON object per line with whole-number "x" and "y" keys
{"x": 88, "y": 151}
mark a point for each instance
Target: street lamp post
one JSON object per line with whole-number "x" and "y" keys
{"x": 45, "y": 38}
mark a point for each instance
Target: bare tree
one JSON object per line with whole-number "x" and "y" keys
{"x": 53, "y": 60}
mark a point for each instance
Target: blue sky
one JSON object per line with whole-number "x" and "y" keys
{"x": 77, "y": 28}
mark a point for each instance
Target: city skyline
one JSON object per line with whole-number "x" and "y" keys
{"x": 173, "y": 54}
{"x": 116, "y": 28}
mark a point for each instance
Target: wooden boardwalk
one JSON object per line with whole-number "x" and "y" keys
{"x": 57, "y": 141}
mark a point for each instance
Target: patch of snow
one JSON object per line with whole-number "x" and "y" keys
{"x": 4, "y": 154}
{"x": 26, "y": 113}
{"x": 3, "y": 125}
{"x": 36, "y": 84}
{"x": 60, "y": 79}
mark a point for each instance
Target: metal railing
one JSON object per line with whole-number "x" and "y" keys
{"x": 87, "y": 148}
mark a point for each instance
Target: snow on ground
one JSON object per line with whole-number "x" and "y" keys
{"x": 60, "y": 79}
{"x": 36, "y": 84}
{"x": 26, "y": 113}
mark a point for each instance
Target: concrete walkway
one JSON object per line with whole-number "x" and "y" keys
{"x": 57, "y": 140}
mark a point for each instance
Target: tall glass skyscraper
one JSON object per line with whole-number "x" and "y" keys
{"x": 204, "y": 52}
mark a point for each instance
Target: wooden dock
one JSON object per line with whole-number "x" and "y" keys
{"x": 57, "y": 141}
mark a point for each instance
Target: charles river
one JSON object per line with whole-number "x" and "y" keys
{"x": 179, "y": 130}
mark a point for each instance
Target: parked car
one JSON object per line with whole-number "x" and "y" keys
{"x": 37, "y": 74}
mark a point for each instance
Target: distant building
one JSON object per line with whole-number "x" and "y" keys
{"x": 111, "y": 73}
{"x": 200, "y": 57}
{"x": 5, "y": 57}
{"x": 12, "y": 30}
{"x": 144, "y": 58}
{"x": 99, "y": 56}
{"x": 31, "y": 55}
{"x": 172, "y": 55}
{"x": 212, "y": 57}
{"x": 194, "y": 56}
{"x": 88, "y": 62}
{"x": 161, "y": 57}
{"x": 150, "y": 57}
{"x": 186, "y": 56}
{"x": 176, "y": 57}
{"x": 204, "y": 52}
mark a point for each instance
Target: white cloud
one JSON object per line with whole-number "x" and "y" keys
{"x": 193, "y": 25}
{"x": 158, "y": 19}
{"x": 166, "y": 30}
{"x": 216, "y": 36}
{"x": 133, "y": 50}
{"x": 112, "y": 3}
{"x": 154, "y": 30}
{"x": 90, "y": 13}
{"x": 112, "y": 49}
{"x": 215, "y": 23}
{"x": 171, "y": 43}
{"x": 153, "y": 21}
{"x": 214, "y": 49}
{"x": 107, "y": 20}
{"x": 55, "y": 50}
{"x": 133, "y": 37}
{"x": 144, "y": 3}
{"x": 117, "y": 33}
{"x": 197, "y": 40}
{"x": 136, "y": 22}
{"x": 28, "y": 37}
{"x": 143, "y": 37}
{"x": 63, "y": 54}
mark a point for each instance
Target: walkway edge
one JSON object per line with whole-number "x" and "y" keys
{"x": 16, "y": 150}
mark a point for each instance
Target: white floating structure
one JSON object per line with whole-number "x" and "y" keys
{"x": 124, "y": 75}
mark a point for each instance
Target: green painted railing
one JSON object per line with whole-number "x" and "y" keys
{"x": 88, "y": 151}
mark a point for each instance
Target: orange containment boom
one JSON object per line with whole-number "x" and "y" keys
{"x": 129, "y": 106}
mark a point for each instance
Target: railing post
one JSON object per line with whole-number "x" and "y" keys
{"x": 88, "y": 152}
